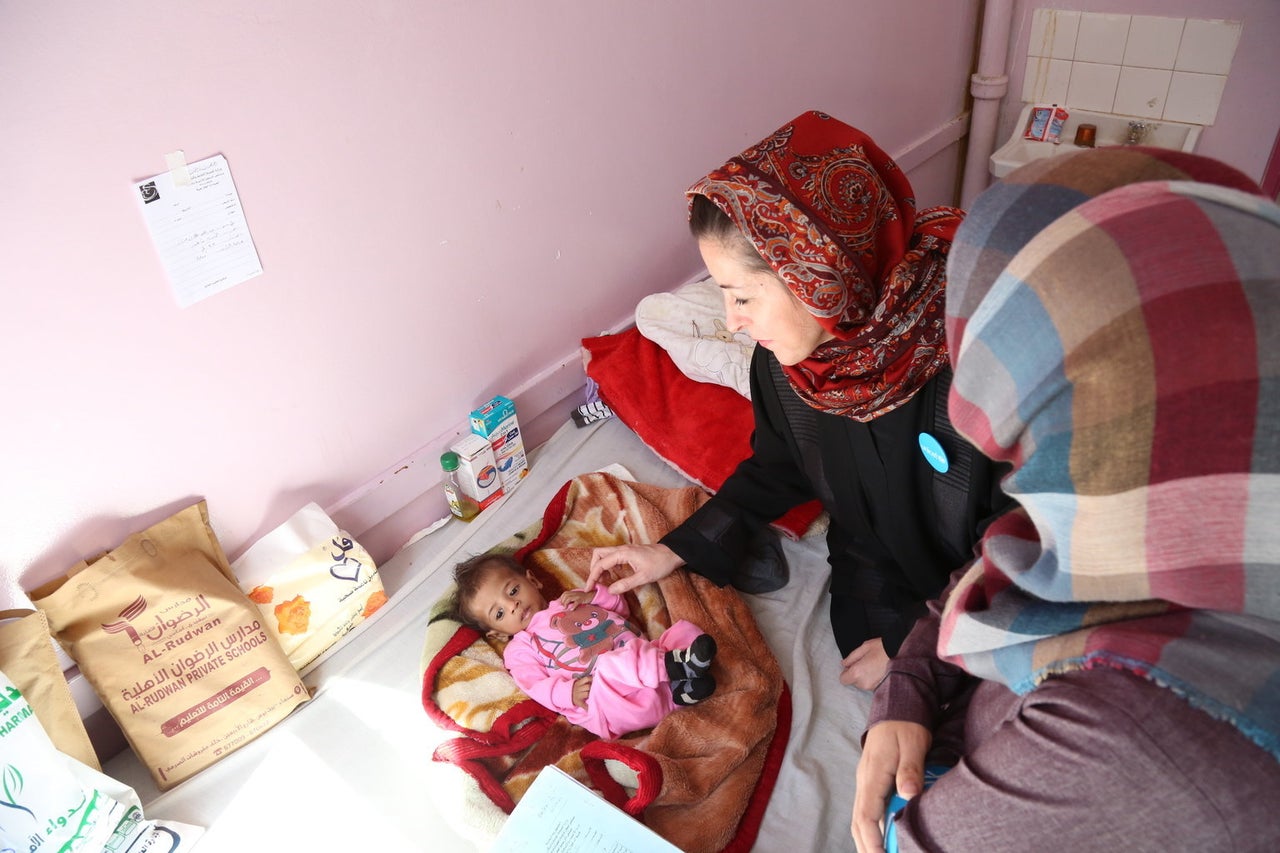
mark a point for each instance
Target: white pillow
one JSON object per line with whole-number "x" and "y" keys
{"x": 689, "y": 324}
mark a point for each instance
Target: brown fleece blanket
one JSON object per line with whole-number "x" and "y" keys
{"x": 703, "y": 776}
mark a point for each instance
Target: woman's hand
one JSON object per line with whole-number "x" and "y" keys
{"x": 892, "y": 756}
{"x": 574, "y": 597}
{"x": 648, "y": 563}
{"x": 865, "y": 667}
{"x": 581, "y": 687}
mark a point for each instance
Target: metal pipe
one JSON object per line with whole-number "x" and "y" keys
{"x": 988, "y": 87}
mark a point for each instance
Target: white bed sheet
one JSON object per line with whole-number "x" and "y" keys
{"x": 353, "y": 769}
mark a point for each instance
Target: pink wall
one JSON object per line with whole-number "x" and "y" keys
{"x": 445, "y": 198}
{"x": 1248, "y": 121}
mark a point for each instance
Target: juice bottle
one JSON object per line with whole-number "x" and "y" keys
{"x": 460, "y": 504}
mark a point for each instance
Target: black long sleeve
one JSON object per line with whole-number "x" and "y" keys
{"x": 764, "y": 486}
{"x": 898, "y": 528}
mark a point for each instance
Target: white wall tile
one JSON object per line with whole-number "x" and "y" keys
{"x": 1208, "y": 46}
{"x": 1053, "y": 33}
{"x": 1146, "y": 66}
{"x": 1093, "y": 86}
{"x": 1142, "y": 92}
{"x": 1153, "y": 42}
{"x": 1045, "y": 81}
{"x": 1194, "y": 98}
{"x": 1102, "y": 38}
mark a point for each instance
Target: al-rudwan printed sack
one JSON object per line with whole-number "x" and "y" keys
{"x": 173, "y": 647}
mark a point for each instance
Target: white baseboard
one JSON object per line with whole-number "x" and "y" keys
{"x": 386, "y": 511}
{"x": 933, "y": 143}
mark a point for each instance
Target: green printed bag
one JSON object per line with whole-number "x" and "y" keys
{"x": 49, "y": 801}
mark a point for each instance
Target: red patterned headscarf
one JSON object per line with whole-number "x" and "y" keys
{"x": 836, "y": 220}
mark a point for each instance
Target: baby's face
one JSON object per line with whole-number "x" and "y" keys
{"x": 506, "y": 601}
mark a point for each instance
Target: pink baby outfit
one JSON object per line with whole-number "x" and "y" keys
{"x": 630, "y": 688}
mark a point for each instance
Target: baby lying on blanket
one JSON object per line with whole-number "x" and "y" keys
{"x": 579, "y": 656}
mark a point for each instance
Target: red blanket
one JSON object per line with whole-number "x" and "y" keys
{"x": 703, "y": 776}
{"x": 701, "y": 429}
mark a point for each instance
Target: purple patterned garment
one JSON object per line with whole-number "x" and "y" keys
{"x": 1124, "y": 357}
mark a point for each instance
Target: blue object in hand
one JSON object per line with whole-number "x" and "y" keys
{"x": 897, "y": 802}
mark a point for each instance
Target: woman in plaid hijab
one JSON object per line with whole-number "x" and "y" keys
{"x": 1107, "y": 671}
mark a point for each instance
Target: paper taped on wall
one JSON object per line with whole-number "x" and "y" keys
{"x": 199, "y": 230}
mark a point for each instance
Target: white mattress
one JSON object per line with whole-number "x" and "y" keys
{"x": 353, "y": 769}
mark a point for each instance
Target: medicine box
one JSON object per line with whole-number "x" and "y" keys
{"x": 496, "y": 421}
{"x": 477, "y": 470}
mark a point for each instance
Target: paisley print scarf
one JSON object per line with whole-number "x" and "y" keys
{"x": 836, "y": 220}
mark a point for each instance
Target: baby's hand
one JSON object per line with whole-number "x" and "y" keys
{"x": 581, "y": 687}
{"x": 574, "y": 597}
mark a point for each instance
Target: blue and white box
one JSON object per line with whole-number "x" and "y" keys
{"x": 496, "y": 421}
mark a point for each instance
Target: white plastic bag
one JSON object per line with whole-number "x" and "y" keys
{"x": 312, "y": 583}
{"x": 49, "y": 801}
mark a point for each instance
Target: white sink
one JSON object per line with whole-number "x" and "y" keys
{"x": 1112, "y": 130}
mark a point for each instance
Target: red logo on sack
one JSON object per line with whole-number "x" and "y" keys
{"x": 131, "y": 612}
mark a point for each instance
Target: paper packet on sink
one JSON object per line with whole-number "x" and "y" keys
{"x": 1044, "y": 123}
{"x": 312, "y": 583}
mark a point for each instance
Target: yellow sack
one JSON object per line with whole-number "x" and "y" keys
{"x": 28, "y": 659}
{"x": 177, "y": 653}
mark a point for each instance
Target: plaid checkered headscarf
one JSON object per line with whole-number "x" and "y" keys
{"x": 1123, "y": 354}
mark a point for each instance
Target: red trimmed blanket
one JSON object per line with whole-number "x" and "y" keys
{"x": 701, "y": 429}
{"x": 702, "y": 777}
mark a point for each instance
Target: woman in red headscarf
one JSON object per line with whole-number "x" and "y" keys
{"x": 814, "y": 239}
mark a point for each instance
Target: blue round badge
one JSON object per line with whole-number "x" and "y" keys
{"x": 933, "y": 453}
